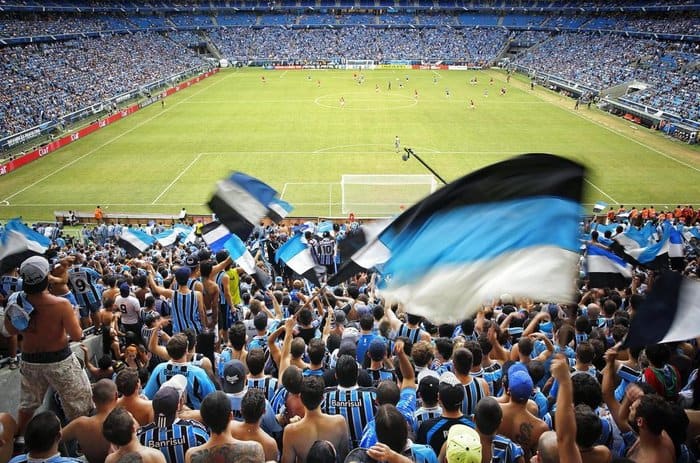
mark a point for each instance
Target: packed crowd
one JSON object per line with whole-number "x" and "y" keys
{"x": 198, "y": 363}
{"x": 477, "y": 46}
{"x": 604, "y": 61}
{"x": 42, "y": 82}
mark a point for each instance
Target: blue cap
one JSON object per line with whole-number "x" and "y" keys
{"x": 520, "y": 383}
{"x": 377, "y": 350}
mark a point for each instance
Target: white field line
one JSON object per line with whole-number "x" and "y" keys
{"x": 601, "y": 191}
{"x": 177, "y": 178}
{"x": 617, "y": 132}
{"x": 110, "y": 141}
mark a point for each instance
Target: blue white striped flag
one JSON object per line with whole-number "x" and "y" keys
{"x": 296, "y": 254}
{"x": 19, "y": 242}
{"x": 135, "y": 241}
{"x": 475, "y": 239}
{"x": 599, "y": 207}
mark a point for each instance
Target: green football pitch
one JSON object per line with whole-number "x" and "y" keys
{"x": 291, "y": 131}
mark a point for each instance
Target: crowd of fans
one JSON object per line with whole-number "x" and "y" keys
{"x": 477, "y": 46}
{"x": 601, "y": 61}
{"x": 198, "y": 363}
{"x": 40, "y": 83}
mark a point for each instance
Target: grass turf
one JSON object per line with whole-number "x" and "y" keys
{"x": 291, "y": 132}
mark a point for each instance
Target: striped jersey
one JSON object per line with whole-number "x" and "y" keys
{"x": 357, "y": 405}
{"x": 190, "y": 284}
{"x": 413, "y": 334}
{"x": 54, "y": 459}
{"x": 174, "y": 440}
{"x": 185, "y": 312}
{"x": 473, "y": 393}
{"x": 268, "y": 385}
{"x": 504, "y": 450}
{"x": 426, "y": 413}
{"x": 198, "y": 383}
{"x": 326, "y": 248}
{"x": 380, "y": 375}
{"x": 83, "y": 284}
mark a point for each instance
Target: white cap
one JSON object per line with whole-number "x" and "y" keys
{"x": 34, "y": 270}
{"x": 177, "y": 382}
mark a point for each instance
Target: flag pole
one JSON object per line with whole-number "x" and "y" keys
{"x": 410, "y": 152}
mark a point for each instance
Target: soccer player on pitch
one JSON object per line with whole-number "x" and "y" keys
{"x": 397, "y": 143}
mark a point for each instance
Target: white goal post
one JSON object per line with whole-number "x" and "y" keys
{"x": 383, "y": 195}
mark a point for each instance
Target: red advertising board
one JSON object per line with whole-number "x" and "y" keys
{"x": 70, "y": 138}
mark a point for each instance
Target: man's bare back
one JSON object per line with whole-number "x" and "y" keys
{"x": 244, "y": 452}
{"x": 252, "y": 432}
{"x": 302, "y": 435}
{"x": 93, "y": 444}
{"x": 142, "y": 409}
{"x": 521, "y": 427}
{"x": 144, "y": 456}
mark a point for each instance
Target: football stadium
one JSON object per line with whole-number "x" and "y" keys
{"x": 349, "y": 230}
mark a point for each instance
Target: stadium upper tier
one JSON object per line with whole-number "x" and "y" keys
{"x": 16, "y": 25}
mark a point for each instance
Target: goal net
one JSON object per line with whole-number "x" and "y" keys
{"x": 383, "y": 195}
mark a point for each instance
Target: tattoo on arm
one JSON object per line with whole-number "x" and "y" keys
{"x": 240, "y": 453}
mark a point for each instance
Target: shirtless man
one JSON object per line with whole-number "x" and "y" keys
{"x": 46, "y": 358}
{"x": 519, "y": 425}
{"x": 58, "y": 280}
{"x": 210, "y": 294}
{"x": 120, "y": 429}
{"x": 128, "y": 385}
{"x": 252, "y": 409}
{"x": 316, "y": 425}
{"x": 640, "y": 418}
{"x": 216, "y": 414}
{"x": 95, "y": 447}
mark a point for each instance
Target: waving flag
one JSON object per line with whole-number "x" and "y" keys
{"x": 669, "y": 313}
{"x": 654, "y": 255}
{"x": 168, "y": 237}
{"x": 676, "y": 251}
{"x": 360, "y": 251}
{"x": 241, "y": 201}
{"x": 19, "y": 242}
{"x": 296, "y": 255}
{"x": 483, "y": 235}
{"x": 599, "y": 207}
{"x": 605, "y": 269}
{"x": 215, "y": 234}
{"x": 135, "y": 241}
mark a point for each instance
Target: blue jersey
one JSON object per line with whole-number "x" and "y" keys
{"x": 377, "y": 376}
{"x": 421, "y": 454}
{"x": 407, "y": 407}
{"x": 504, "y": 450}
{"x": 356, "y": 405}
{"x": 627, "y": 376}
{"x": 198, "y": 383}
{"x": 83, "y": 283}
{"x": 185, "y": 312}
{"x": 268, "y": 385}
{"x": 362, "y": 346}
{"x": 278, "y": 401}
{"x": 413, "y": 334}
{"x": 9, "y": 285}
{"x": 174, "y": 440}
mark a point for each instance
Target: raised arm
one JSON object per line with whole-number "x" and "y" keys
{"x": 86, "y": 359}
{"x": 286, "y": 355}
{"x": 153, "y": 345}
{"x": 409, "y": 375}
{"x": 608, "y": 388}
{"x": 272, "y": 346}
{"x": 548, "y": 344}
{"x": 565, "y": 418}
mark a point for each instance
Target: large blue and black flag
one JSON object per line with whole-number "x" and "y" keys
{"x": 241, "y": 201}
{"x": 295, "y": 253}
{"x": 669, "y": 313}
{"x": 511, "y": 227}
{"x": 606, "y": 269}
